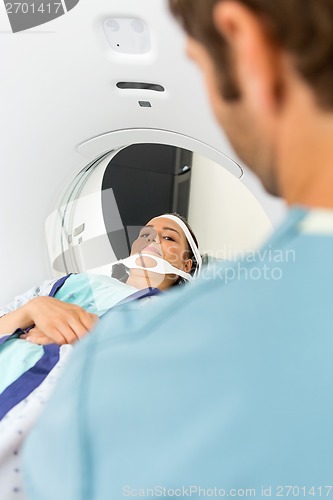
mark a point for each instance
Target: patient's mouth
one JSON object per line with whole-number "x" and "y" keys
{"x": 152, "y": 249}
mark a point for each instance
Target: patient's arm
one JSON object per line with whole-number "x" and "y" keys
{"x": 61, "y": 322}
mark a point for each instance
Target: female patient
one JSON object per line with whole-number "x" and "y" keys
{"x": 84, "y": 297}
{"x": 29, "y": 372}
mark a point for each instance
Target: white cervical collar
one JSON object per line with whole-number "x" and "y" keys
{"x": 162, "y": 266}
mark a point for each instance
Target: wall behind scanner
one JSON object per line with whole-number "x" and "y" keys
{"x": 147, "y": 180}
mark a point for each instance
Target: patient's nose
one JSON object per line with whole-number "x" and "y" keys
{"x": 153, "y": 238}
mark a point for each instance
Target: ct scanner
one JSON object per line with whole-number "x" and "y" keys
{"x": 75, "y": 92}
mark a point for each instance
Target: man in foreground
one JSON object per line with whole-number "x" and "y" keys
{"x": 223, "y": 390}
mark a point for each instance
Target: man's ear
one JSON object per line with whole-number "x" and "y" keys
{"x": 255, "y": 58}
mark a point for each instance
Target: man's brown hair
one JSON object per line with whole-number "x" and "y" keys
{"x": 304, "y": 28}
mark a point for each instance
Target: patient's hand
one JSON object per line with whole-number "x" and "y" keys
{"x": 57, "y": 322}
{"x": 35, "y": 336}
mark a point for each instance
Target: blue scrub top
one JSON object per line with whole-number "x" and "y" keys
{"x": 225, "y": 386}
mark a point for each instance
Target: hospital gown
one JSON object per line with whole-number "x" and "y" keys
{"x": 225, "y": 386}
{"x": 23, "y": 391}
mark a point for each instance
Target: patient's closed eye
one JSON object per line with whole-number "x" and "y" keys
{"x": 147, "y": 232}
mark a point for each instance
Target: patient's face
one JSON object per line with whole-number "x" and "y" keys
{"x": 165, "y": 238}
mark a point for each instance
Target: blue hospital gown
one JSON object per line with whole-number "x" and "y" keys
{"x": 227, "y": 384}
{"x": 29, "y": 372}
{"x": 95, "y": 293}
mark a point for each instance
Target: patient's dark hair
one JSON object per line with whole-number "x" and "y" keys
{"x": 303, "y": 28}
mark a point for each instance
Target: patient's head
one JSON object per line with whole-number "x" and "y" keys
{"x": 164, "y": 236}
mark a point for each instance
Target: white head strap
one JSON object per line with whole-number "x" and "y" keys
{"x": 189, "y": 238}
